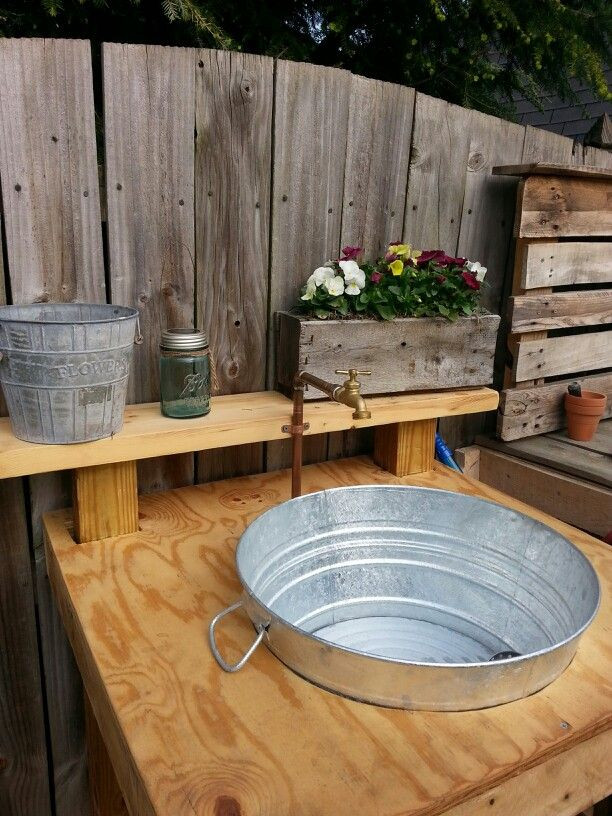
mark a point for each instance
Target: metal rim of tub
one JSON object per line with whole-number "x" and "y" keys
{"x": 19, "y": 313}
{"x": 411, "y": 683}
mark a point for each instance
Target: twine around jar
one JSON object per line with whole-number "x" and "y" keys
{"x": 206, "y": 352}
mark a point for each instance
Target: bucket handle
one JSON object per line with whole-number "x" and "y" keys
{"x": 232, "y": 667}
{"x": 138, "y": 338}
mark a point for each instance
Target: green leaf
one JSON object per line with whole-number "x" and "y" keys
{"x": 322, "y": 314}
{"x": 385, "y": 311}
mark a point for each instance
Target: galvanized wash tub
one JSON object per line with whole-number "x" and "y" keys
{"x": 412, "y": 597}
{"x": 64, "y": 369}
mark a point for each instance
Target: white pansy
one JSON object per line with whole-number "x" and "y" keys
{"x": 311, "y": 288}
{"x": 477, "y": 269}
{"x": 335, "y": 286}
{"x": 353, "y": 274}
{"x": 320, "y": 275}
{"x": 352, "y": 289}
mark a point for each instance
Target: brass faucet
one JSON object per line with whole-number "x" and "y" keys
{"x": 349, "y": 393}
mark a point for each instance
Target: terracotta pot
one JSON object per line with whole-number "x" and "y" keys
{"x": 583, "y": 414}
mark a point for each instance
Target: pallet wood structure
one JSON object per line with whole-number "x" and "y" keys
{"x": 559, "y": 331}
{"x": 563, "y": 227}
{"x": 198, "y": 173}
{"x": 169, "y": 734}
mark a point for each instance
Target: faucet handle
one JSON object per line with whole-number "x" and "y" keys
{"x": 352, "y": 373}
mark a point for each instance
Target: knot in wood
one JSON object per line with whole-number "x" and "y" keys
{"x": 227, "y": 806}
{"x": 476, "y": 162}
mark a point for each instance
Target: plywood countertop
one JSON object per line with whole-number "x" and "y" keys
{"x": 186, "y": 738}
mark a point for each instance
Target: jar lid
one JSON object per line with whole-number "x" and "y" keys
{"x": 184, "y": 340}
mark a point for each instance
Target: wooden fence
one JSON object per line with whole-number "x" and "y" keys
{"x": 225, "y": 179}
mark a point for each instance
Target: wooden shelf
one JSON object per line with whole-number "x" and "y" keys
{"x": 233, "y": 420}
{"x": 546, "y": 169}
{"x": 184, "y": 736}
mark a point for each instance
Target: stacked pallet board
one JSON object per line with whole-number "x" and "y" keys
{"x": 561, "y": 308}
{"x": 559, "y": 331}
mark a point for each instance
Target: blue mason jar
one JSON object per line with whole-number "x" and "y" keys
{"x": 184, "y": 373}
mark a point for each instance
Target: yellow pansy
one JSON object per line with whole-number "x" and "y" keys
{"x": 400, "y": 249}
{"x": 415, "y": 253}
{"x": 397, "y": 267}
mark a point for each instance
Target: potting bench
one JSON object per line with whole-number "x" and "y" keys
{"x": 138, "y": 580}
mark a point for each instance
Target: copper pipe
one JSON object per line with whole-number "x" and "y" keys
{"x": 297, "y": 436}
{"x": 347, "y": 394}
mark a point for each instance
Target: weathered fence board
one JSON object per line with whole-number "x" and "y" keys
{"x": 375, "y": 180}
{"x": 233, "y": 154}
{"x": 49, "y": 171}
{"x": 561, "y": 310}
{"x": 310, "y": 134}
{"x": 24, "y": 784}
{"x": 542, "y": 145}
{"x": 597, "y": 157}
{"x": 63, "y": 686}
{"x": 149, "y": 117}
{"x": 54, "y": 251}
{"x": 377, "y": 159}
{"x": 488, "y": 203}
{"x": 566, "y": 263}
{"x": 555, "y": 356}
{"x": 436, "y": 182}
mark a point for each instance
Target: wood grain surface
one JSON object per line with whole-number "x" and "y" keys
{"x": 559, "y": 206}
{"x": 436, "y": 181}
{"x": 555, "y": 148}
{"x": 310, "y": 138}
{"x": 377, "y": 159}
{"x": 49, "y": 171}
{"x": 561, "y": 310}
{"x": 186, "y": 738}
{"x": 149, "y": 115}
{"x": 233, "y": 155}
{"x": 105, "y": 501}
{"x": 539, "y": 409}
{"x": 234, "y": 419}
{"x": 233, "y": 120}
{"x": 558, "y": 453}
{"x": 54, "y": 251}
{"x": 563, "y": 355}
{"x": 405, "y": 447}
{"x": 601, "y": 442}
{"x": 489, "y": 201}
{"x": 24, "y": 782}
{"x": 565, "y": 263}
{"x": 573, "y": 500}
{"x": 407, "y": 354}
{"x": 545, "y": 168}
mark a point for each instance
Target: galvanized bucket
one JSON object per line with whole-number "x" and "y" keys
{"x": 64, "y": 369}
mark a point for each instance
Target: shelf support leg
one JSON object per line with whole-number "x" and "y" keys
{"x": 403, "y": 448}
{"x": 105, "y": 503}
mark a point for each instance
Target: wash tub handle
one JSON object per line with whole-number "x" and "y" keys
{"x": 232, "y": 667}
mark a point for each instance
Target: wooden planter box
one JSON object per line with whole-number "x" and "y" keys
{"x": 406, "y": 354}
